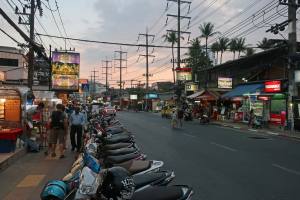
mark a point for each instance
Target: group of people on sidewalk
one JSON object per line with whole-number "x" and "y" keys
{"x": 63, "y": 121}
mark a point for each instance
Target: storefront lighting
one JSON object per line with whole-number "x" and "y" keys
{"x": 197, "y": 101}
{"x": 2, "y": 100}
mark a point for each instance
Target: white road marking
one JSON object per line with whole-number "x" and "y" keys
{"x": 272, "y": 133}
{"x": 237, "y": 127}
{"x": 186, "y": 134}
{"x": 223, "y": 146}
{"x": 253, "y": 130}
{"x": 286, "y": 169}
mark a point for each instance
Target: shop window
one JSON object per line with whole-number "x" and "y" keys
{"x": 278, "y": 105}
{"x": 9, "y": 62}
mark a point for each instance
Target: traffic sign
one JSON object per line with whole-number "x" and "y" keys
{"x": 85, "y": 87}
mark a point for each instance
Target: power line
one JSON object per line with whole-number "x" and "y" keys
{"x": 62, "y": 22}
{"x": 109, "y": 43}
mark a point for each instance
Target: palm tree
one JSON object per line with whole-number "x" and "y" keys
{"x": 223, "y": 44}
{"x": 249, "y": 51}
{"x": 264, "y": 44}
{"x": 215, "y": 48}
{"x": 241, "y": 46}
{"x": 207, "y": 30}
{"x": 233, "y": 46}
{"x": 171, "y": 37}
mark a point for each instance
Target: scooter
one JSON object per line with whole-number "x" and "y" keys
{"x": 204, "y": 119}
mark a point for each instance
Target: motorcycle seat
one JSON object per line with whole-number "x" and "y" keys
{"x": 118, "y": 138}
{"x": 121, "y": 158}
{"x": 160, "y": 193}
{"x": 121, "y": 151}
{"x": 135, "y": 166}
{"x": 116, "y": 146}
{"x": 142, "y": 180}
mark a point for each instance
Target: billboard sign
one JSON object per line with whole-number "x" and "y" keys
{"x": 65, "y": 71}
{"x": 224, "y": 83}
{"x": 133, "y": 97}
{"x": 273, "y": 86}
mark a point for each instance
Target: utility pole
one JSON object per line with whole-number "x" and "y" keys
{"x": 121, "y": 60}
{"x": 93, "y": 80}
{"x": 146, "y": 35}
{"x": 179, "y": 17}
{"x": 179, "y": 32}
{"x": 293, "y": 5}
{"x": 106, "y": 73}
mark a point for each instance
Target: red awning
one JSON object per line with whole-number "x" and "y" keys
{"x": 208, "y": 96}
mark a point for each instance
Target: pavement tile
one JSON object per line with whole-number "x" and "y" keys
{"x": 31, "y": 181}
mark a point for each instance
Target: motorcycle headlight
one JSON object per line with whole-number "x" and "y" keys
{"x": 85, "y": 189}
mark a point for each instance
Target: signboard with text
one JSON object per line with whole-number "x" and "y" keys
{"x": 224, "y": 83}
{"x": 273, "y": 86}
{"x": 65, "y": 71}
{"x": 184, "y": 74}
{"x": 133, "y": 97}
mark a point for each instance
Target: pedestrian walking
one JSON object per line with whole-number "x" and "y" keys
{"x": 251, "y": 118}
{"x": 59, "y": 127}
{"x": 174, "y": 119}
{"x": 180, "y": 116}
{"x": 77, "y": 121}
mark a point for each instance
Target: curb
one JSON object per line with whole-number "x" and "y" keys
{"x": 12, "y": 159}
{"x": 257, "y": 131}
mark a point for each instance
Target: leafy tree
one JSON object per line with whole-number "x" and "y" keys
{"x": 241, "y": 46}
{"x": 207, "y": 30}
{"x": 171, "y": 37}
{"x": 233, "y": 46}
{"x": 196, "y": 57}
{"x": 224, "y": 44}
{"x": 265, "y": 44}
{"x": 215, "y": 48}
{"x": 250, "y": 51}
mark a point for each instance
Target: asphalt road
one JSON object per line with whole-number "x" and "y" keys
{"x": 220, "y": 163}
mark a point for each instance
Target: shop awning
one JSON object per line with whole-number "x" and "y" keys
{"x": 208, "y": 96}
{"x": 193, "y": 96}
{"x": 242, "y": 90}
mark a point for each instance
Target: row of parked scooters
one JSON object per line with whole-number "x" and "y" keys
{"x": 111, "y": 166}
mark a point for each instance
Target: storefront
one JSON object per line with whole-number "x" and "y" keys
{"x": 243, "y": 98}
{"x": 12, "y": 115}
{"x": 267, "y": 100}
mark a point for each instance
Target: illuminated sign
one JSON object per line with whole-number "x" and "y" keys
{"x": 133, "y": 97}
{"x": 184, "y": 74}
{"x": 191, "y": 87}
{"x": 83, "y": 81}
{"x": 225, "y": 83}
{"x": 273, "y": 86}
{"x": 2, "y": 76}
{"x": 65, "y": 71}
{"x": 151, "y": 96}
{"x": 263, "y": 98}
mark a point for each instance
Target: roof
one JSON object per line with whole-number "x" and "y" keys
{"x": 195, "y": 94}
{"x": 255, "y": 57}
{"x": 242, "y": 90}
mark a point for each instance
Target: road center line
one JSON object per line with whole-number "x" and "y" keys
{"x": 286, "y": 169}
{"x": 186, "y": 134}
{"x": 223, "y": 146}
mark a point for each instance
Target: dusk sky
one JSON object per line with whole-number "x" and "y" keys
{"x": 123, "y": 20}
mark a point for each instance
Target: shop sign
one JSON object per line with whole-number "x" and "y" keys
{"x": 224, "y": 83}
{"x": 263, "y": 98}
{"x": 151, "y": 96}
{"x": 133, "y": 97}
{"x": 297, "y": 76}
{"x": 65, "y": 71}
{"x": 273, "y": 86}
{"x": 184, "y": 74}
{"x": 191, "y": 87}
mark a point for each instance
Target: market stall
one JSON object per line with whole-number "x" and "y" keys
{"x": 12, "y": 113}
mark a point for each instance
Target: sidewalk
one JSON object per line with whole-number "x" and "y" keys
{"x": 273, "y": 130}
